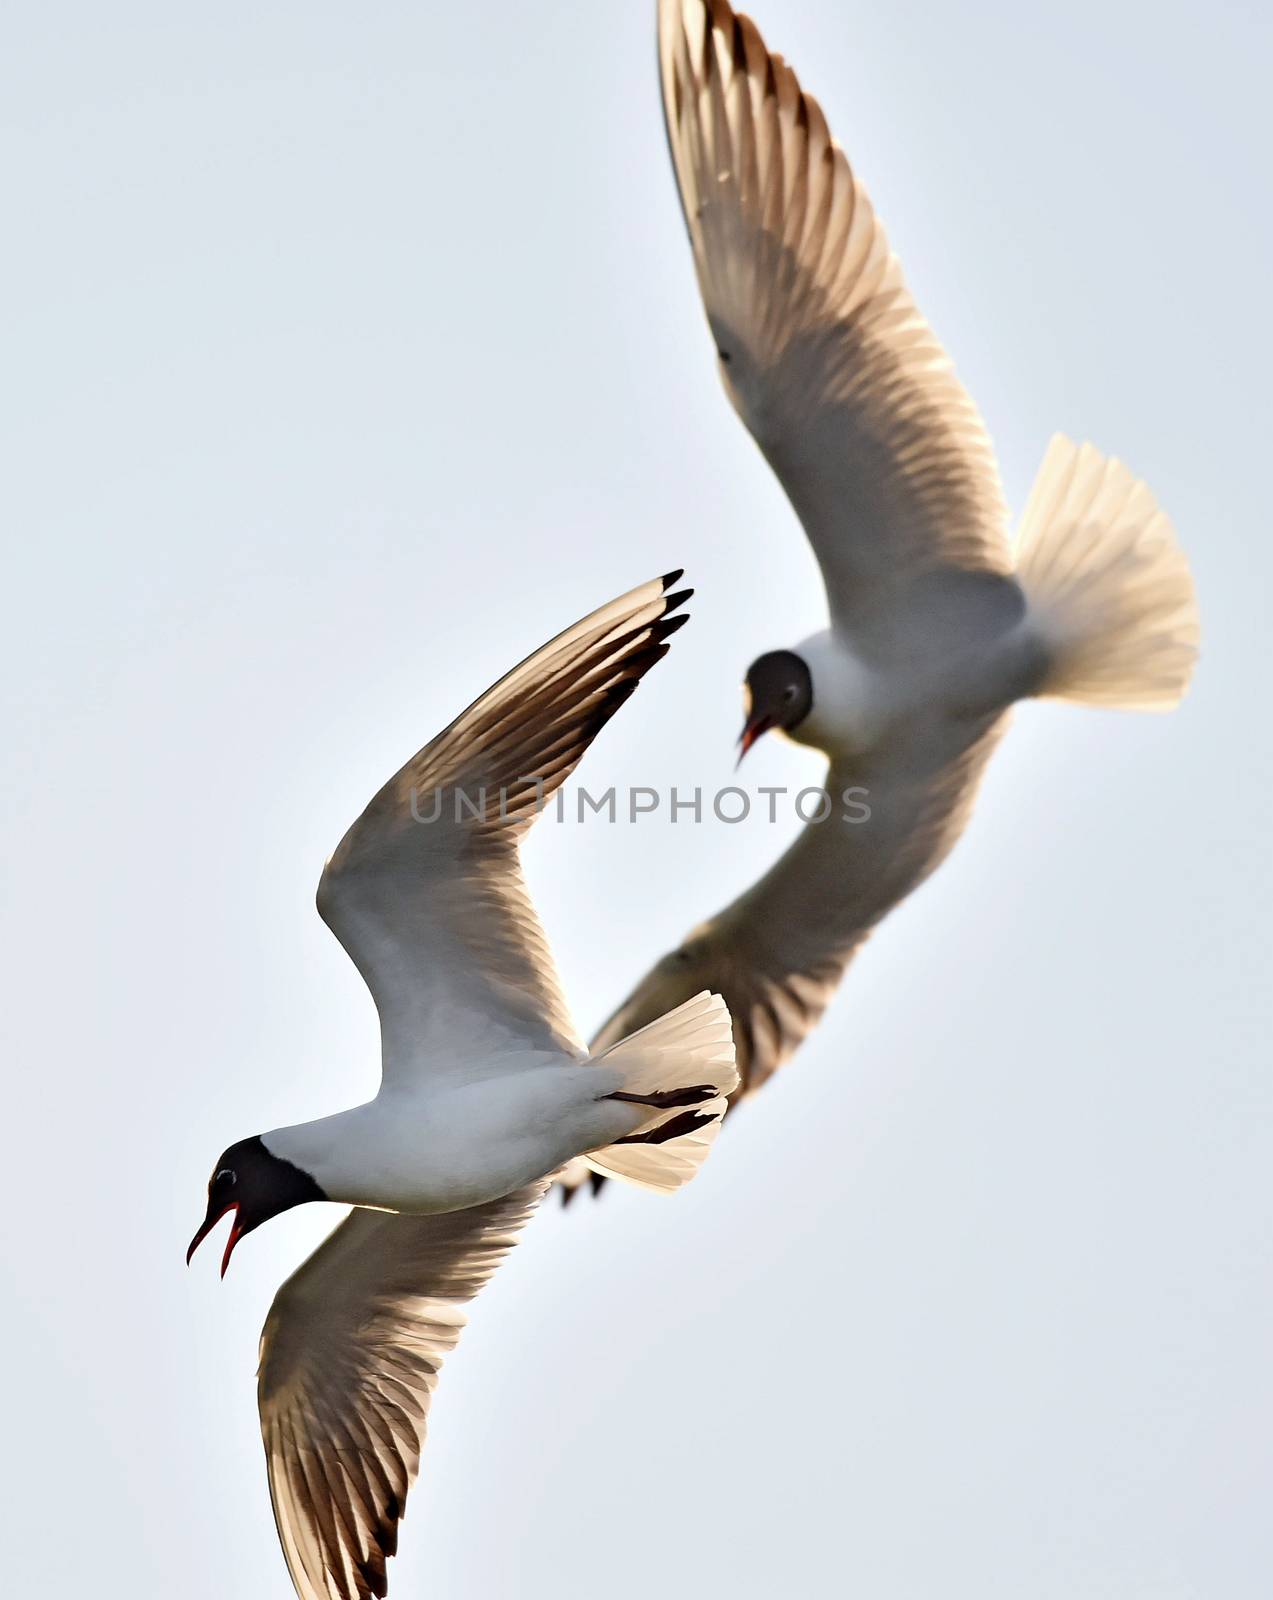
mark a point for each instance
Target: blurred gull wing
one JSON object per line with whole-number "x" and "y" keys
{"x": 425, "y": 891}
{"x": 825, "y": 355}
{"x": 350, "y": 1356}
{"x": 777, "y": 953}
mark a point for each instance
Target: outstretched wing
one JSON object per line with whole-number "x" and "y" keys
{"x": 776, "y": 954}
{"x": 825, "y": 355}
{"x": 425, "y": 891}
{"x": 350, "y": 1356}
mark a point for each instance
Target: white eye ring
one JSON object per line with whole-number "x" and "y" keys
{"x": 225, "y": 1172}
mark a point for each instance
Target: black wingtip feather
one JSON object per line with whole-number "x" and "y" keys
{"x": 375, "y": 1579}
{"x": 669, "y": 578}
{"x": 676, "y": 600}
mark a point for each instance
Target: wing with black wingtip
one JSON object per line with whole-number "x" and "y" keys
{"x": 350, "y": 1356}
{"x": 425, "y": 891}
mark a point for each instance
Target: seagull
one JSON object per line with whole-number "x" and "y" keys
{"x": 486, "y": 1089}
{"x": 939, "y": 621}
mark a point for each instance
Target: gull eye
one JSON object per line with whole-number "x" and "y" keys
{"x": 789, "y": 693}
{"x": 227, "y": 1173}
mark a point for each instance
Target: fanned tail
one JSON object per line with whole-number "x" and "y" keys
{"x": 1110, "y": 595}
{"x": 685, "y": 1060}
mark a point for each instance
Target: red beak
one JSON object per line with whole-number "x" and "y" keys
{"x": 210, "y": 1222}
{"x": 752, "y": 730}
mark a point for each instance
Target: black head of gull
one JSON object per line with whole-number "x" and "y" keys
{"x": 778, "y": 692}
{"x": 256, "y": 1186}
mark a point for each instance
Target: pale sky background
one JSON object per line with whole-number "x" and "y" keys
{"x": 349, "y": 353}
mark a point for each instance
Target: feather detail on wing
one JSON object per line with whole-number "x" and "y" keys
{"x": 350, "y": 1356}
{"x": 425, "y": 891}
{"x": 823, "y": 351}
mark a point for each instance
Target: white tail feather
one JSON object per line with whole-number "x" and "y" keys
{"x": 1108, "y": 586}
{"x": 692, "y": 1045}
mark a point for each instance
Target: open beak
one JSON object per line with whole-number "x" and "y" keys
{"x": 755, "y": 725}
{"x": 206, "y": 1227}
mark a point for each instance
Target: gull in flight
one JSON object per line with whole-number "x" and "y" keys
{"x": 486, "y": 1088}
{"x": 938, "y": 620}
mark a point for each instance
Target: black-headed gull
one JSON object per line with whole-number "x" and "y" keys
{"x": 938, "y": 622}
{"x": 486, "y": 1088}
